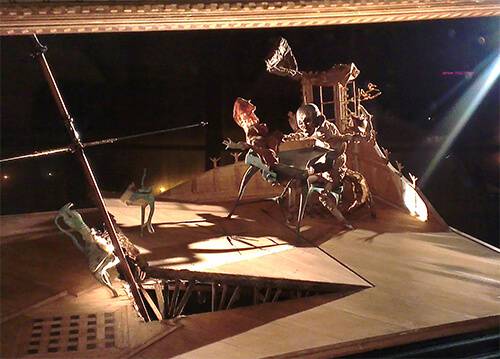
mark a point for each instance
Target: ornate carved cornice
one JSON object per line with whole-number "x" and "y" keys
{"x": 54, "y": 17}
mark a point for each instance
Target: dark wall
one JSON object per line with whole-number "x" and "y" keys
{"x": 120, "y": 84}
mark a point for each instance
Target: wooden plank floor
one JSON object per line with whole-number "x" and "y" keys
{"x": 32, "y": 252}
{"x": 200, "y": 238}
{"x": 427, "y": 283}
{"x": 51, "y": 306}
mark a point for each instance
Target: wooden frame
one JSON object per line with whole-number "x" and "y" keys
{"x": 19, "y": 17}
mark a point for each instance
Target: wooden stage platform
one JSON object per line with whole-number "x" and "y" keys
{"x": 415, "y": 282}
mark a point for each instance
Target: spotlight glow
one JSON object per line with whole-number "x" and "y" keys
{"x": 414, "y": 202}
{"x": 462, "y": 111}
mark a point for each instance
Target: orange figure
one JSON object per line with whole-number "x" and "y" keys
{"x": 258, "y": 136}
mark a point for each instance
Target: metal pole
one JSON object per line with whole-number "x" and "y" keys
{"x": 99, "y": 142}
{"x": 77, "y": 148}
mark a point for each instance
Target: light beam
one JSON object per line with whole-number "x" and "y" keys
{"x": 463, "y": 109}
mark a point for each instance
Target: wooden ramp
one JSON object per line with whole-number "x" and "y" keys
{"x": 199, "y": 238}
{"x": 426, "y": 284}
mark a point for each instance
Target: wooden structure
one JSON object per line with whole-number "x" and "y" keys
{"x": 336, "y": 94}
{"x": 401, "y": 278}
{"x": 19, "y": 17}
{"x": 425, "y": 283}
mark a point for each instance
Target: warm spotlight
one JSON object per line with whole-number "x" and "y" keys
{"x": 413, "y": 202}
{"x": 162, "y": 189}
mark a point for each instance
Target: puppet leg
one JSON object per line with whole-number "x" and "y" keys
{"x": 304, "y": 196}
{"x": 107, "y": 282}
{"x": 362, "y": 192}
{"x": 330, "y": 202}
{"x": 102, "y": 277}
{"x": 150, "y": 217}
{"x": 244, "y": 182}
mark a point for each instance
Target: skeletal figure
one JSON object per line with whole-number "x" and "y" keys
{"x": 98, "y": 251}
{"x": 330, "y": 171}
{"x": 236, "y": 156}
{"x": 215, "y": 161}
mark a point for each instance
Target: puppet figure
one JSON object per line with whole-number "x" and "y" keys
{"x": 330, "y": 171}
{"x": 142, "y": 197}
{"x": 262, "y": 143}
{"x": 97, "y": 247}
{"x": 98, "y": 250}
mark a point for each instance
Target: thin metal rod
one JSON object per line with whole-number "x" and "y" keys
{"x": 99, "y": 142}
{"x": 143, "y": 134}
{"x": 175, "y": 298}
{"x": 182, "y": 304}
{"x": 268, "y": 294}
{"x": 87, "y": 169}
{"x": 214, "y": 291}
{"x": 255, "y": 295}
{"x": 223, "y": 296}
{"x": 276, "y": 295}
{"x": 233, "y": 297}
{"x": 54, "y": 151}
{"x": 167, "y": 298}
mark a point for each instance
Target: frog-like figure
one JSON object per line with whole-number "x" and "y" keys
{"x": 97, "y": 249}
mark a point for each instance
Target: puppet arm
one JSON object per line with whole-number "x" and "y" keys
{"x": 230, "y": 144}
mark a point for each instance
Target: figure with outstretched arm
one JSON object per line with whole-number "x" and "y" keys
{"x": 262, "y": 145}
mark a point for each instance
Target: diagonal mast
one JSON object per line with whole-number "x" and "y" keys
{"x": 78, "y": 149}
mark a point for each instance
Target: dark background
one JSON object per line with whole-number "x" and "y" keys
{"x": 120, "y": 84}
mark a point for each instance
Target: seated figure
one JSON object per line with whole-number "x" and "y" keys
{"x": 330, "y": 172}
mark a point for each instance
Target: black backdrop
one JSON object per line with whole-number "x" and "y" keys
{"x": 119, "y": 84}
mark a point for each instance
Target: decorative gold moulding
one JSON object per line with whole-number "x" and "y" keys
{"x": 20, "y": 17}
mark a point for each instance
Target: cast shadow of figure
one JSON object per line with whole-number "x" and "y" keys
{"x": 256, "y": 225}
{"x": 240, "y": 234}
{"x": 389, "y": 220}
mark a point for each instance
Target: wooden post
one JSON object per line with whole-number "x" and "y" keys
{"x": 175, "y": 298}
{"x": 214, "y": 289}
{"x": 182, "y": 304}
{"x": 233, "y": 297}
{"x": 77, "y": 149}
{"x": 223, "y": 296}
{"x": 160, "y": 298}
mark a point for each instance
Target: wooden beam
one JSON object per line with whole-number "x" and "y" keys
{"x": 223, "y": 296}
{"x": 276, "y": 295}
{"x": 19, "y": 17}
{"x": 152, "y": 304}
{"x": 79, "y": 152}
{"x": 187, "y": 293}
{"x": 214, "y": 293}
{"x": 247, "y": 281}
{"x": 233, "y": 298}
{"x": 175, "y": 298}
{"x": 159, "y": 297}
